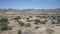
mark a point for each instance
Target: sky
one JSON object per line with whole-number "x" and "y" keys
{"x": 29, "y": 4}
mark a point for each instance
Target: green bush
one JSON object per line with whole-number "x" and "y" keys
{"x": 53, "y": 17}
{"x": 3, "y": 20}
{"x": 37, "y": 27}
{"x": 42, "y": 22}
{"x": 36, "y": 21}
{"x": 19, "y": 32}
{"x": 4, "y": 27}
{"x": 17, "y": 18}
{"x": 27, "y": 18}
{"x": 4, "y": 23}
{"x": 21, "y": 23}
{"x": 30, "y": 16}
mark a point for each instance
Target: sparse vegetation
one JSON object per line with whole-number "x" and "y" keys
{"x": 4, "y": 27}
{"x": 21, "y": 23}
{"x": 4, "y": 24}
{"x": 37, "y": 27}
{"x": 53, "y": 17}
{"x": 30, "y": 16}
{"x": 37, "y": 21}
{"x": 43, "y": 22}
{"x": 17, "y": 18}
{"x": 27, "y": 25}
{"x": 29, "y": 21}
{"x": 27, "y": 18}
{"x": 58, "y": 18}
{"x": 53, "y": 22}
{"x": 3, "y": 20}
{"x": 38, "y": 16}
{"x": 19, "y": 32}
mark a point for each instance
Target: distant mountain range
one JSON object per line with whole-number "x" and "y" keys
{"x": 31, "y": 11}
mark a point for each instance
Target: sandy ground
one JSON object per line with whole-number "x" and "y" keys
{"x": 30, "y": 30}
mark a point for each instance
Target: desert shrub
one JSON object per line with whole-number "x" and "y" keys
{"x": 37, "y": 27}
{"x": 17, "y": 18}
{"x": 21, "y": 23}
{"x": 45, "y": 20}
{"x": 53, "y": 22}
{"x": 27, "y": 18}
{"x": 42, "y": 22}
{"x": 9, "y": 27}
{"x": 30, "y": 16}
{"x": 44, "y": 17}
{"x": 41, "y": 16}
{"x": 58, "y": 18}
{"x": 36, "y": 21}
{"x": 4, "y": 27}
{"x": 38, "y": 16}
{"x": 49, "y": 31}
{"x": 4, "y": 23}
{"x": 19, "y": 32}
{"x": 3, "y": 20}
{"x": 27, "y": 25}
{"x": 53, "y": 17}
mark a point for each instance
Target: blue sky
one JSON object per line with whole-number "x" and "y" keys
{"x": 29, "y": 4}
